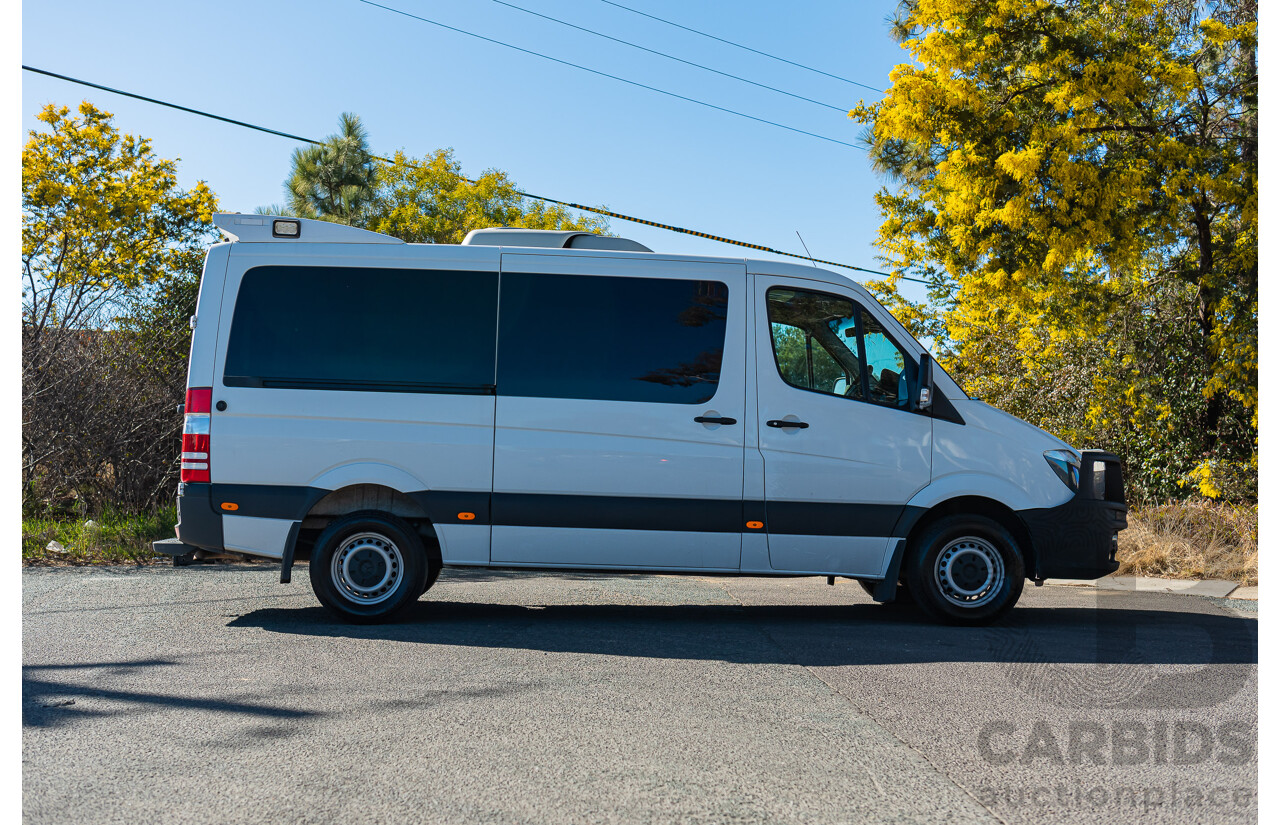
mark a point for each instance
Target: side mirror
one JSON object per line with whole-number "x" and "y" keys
{"x": 924, "y": 397}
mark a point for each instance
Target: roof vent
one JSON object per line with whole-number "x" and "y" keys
{"x": 550, "y": 238}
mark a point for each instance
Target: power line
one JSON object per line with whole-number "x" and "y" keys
{"x": 671, "y": 57}
{"x": 166, "y": 103}
{"x": 606, "y": 74}
{"x": 594, "y": 209}
{"x": 740, "y": 46}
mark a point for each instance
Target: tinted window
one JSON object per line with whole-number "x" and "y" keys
{"x": 618, "y": 339}
{"x": 815, "y": 341}
{"x": 820, "y": 346}
{"x": 405, "y": 330}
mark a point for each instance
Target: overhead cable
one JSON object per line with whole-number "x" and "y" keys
{"x": 606, "y": 74}
{"x": 593, "y": 209}
{"x": 841, "y": 109}
{"x": 740, "y": 46}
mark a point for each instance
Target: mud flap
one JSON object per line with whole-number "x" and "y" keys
{"x": 887, "y": 589}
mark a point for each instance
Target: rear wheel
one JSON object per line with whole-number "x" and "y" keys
{"x": 368, "y": 566}
{"x": 965, "y": 570}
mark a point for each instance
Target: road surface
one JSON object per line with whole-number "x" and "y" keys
{"x": 215, "y": 694}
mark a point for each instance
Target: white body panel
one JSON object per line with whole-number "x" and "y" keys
{"x": 862, "y": 557}
{"x": 204, "y": 334}
{"x": 256, "y": 536}
{"x": 605, "y": 548}
{"x": 994, "y": 455}
{"x": 621, "y": 449}
{"x": 464, "y": 544}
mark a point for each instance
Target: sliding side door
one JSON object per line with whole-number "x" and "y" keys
{"x": 620, "y": 413}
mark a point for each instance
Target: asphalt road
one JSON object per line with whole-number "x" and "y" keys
{"x": 215, "y": 694}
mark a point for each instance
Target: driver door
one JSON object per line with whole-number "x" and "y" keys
{"x": 843, "y": 452}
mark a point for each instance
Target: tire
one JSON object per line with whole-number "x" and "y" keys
{"x": 368, "y": 566}
{"x": 902, "y": 597}
{"x": 433, "y": 572}
{"x": 965, "y": 570}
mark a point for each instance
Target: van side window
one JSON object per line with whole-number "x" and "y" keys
{"x": 656, "y": 340}
{"x": 820, "y": 345}
{"x": 815, "y": 341}
{"x": 363, "y": 328}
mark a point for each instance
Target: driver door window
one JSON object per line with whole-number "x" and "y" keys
{"x": 822, "y": 341}
{"x": 815, "y": 341}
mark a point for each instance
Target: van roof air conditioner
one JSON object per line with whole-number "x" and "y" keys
{"x": 550, "y": 238}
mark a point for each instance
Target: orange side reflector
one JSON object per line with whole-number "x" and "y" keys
{"x": 467, "y": 516}
{"x": 755, "y": 525}
{"x": 226, "y": 505}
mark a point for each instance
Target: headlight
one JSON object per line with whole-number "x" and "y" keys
{"x": 1067, "y": 465}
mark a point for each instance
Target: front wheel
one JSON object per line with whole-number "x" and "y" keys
{"x": 965, "y": 570}
{"x": 367, "y": 566}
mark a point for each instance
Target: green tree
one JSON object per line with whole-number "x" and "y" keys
{"x": 430, "y": 201}
{"x": 425, "y": 200}
{"x": 1078, "y": 182}
{"x": 334, "y": 180}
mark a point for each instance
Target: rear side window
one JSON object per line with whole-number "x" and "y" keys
{"x": 654, "y": 340}
{"x": 349, "y": 328}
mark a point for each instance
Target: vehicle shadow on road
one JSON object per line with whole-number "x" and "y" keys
{"x": 812, "y": 635}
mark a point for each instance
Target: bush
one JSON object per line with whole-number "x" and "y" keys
{"x": 101, "y": 426}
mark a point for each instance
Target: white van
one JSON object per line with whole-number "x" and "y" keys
{"x": 544, "y": 400}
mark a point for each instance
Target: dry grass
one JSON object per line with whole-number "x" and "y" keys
{"x": 1192, "y": 540}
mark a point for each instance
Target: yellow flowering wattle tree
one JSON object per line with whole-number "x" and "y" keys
{"x": 1077, "y": 180}
{"x": 112, "y": 249}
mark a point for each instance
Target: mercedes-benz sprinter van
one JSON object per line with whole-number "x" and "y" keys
{"x": 534, "y": 399}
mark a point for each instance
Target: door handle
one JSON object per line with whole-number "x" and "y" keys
{"x": 711, "y": 419}
{"x": 776, "y": 423}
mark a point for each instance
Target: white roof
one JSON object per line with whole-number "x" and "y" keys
{"x": 259, "y": 229}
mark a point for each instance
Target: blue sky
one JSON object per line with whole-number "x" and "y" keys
{"x": 558, "y": 131}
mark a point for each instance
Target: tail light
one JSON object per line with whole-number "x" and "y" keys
{"x": 195, "y": 434}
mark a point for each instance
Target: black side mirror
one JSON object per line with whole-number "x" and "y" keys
{"x": 924, "y": 396}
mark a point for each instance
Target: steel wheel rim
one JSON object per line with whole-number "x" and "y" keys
{"x": 367, "y": 568}
{"x": 969, "y": 572}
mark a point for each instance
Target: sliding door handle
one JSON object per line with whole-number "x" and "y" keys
{"x": 714, "y": 419}
{"x": 779, "y": 423}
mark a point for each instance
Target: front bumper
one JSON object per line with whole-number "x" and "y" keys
{"x": 1078, "y": 539}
